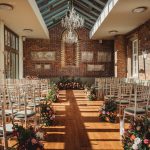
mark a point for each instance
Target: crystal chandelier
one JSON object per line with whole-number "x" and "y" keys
{"x": 70, "y": 37}
{"x": 72, "y": 20}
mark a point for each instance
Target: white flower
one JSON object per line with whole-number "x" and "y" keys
{"x": 137, "y": 141}
{"x": 135, "y": 146}
{"x": 48, "y": 108}
{"x": 103, "y": 112}
{"x": 40, "y": 135}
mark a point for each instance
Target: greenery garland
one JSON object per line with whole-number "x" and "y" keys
{"x": 108, "y": 112}
{"x": 137, "y": 137}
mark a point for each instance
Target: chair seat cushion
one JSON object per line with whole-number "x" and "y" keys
{"x": 8, "y": 112}
{"x": 39, "y": 98}
{"x": 32, "y": 104}
{"x": 138, "y": 100}
{"x": 138, "y": 110}
{"x": 148, "y": 107}
{"x": 122, "y": 101}
{"x": 21, "y": 114}
{"x": 9, "y": 128}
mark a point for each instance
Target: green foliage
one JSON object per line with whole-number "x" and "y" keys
{"x": 53, "y": 93}
{"x": 47, "y": 114}
{"x": 108, "y": 112}
{"x": 92, "y": 95}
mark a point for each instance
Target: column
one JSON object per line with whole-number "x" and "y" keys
{"x": 2, "y": 76}
{"x": 20, "y": 57}
{"x": 120, "y": 57}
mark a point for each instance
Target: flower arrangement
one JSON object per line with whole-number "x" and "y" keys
{"x": 137, "y": 137}
{"x": 47, "y": 114}
{"x": 108, "y": 112}
{"x": 91, "y": 94}
{"x": 28, "y": 139}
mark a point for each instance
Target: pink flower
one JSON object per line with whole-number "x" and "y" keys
{"x": 146, "y": 141}
{"x": 33, "y": 141}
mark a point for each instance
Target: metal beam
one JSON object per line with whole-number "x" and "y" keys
{"x": 56, "y": 15}
{"x": 91, "y": 4}
{"x": 100, "y": 2}
{"x": 39, "y": 1}
{"x": 47, "y": 5}
{"x": 51, "y": 21}
{"x": 87, "y": 14}
{"x": 85, "y": 17}
{"x": 55, "y": 5}
{"x": 55, "y": 12}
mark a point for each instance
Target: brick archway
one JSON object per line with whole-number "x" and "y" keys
{"x": 70, "y": 53}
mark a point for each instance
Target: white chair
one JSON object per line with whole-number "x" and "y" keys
{"x": 136, "y": 109}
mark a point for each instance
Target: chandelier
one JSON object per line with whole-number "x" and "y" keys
{"x": 72, "y": 20}
{"x": 70, "y": 37}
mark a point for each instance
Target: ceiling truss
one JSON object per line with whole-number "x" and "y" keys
{"x": 54, "y": 10}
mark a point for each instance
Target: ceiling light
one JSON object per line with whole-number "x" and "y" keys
{"x": 139, "y": 9}
{"x": 28, "y": 30}
{"x": 4, "y": 6}
{"x": 113, "y": 31}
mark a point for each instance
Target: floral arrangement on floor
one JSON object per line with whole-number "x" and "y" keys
{"x": 108, "y": 112}
{"x": 137, "y": 137}
{"x": 28, "y": 139}
{"x": 47, "y": 114}
{"x": 91, "y": 94}
{"x": 53, "y": 93}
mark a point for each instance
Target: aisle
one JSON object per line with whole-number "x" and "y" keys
{"x": 77, "y": 125}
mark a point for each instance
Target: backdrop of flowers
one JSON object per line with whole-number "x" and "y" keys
{"x": 137, "y": 137}
{"x": 108, "y": 112}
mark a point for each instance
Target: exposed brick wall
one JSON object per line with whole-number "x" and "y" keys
{"x": 54, "y": 44}
{"x": 142, "y": 33}
{"x": 121, "y": 62}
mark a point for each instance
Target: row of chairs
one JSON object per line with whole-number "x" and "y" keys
{"x": 20, "y": 102}
{"x": 131, "y": 96}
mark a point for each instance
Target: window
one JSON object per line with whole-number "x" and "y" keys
{"x": 135, "y": 58}
{"x": 11, "y": 54}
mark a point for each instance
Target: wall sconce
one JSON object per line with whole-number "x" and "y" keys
{"x": 23, "y": 38}
{"x": 144, "y": 57}
{"x": 144, "y": 53}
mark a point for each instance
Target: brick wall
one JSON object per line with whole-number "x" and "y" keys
{"x": 142, "y": 33}
{"x": 54, "y": 44}
{"x": 121, "y": 62}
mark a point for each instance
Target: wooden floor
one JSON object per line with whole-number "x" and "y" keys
{"x": 77, "y": 126}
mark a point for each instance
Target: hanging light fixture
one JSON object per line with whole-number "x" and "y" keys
{"x": 70, "y": 37}
{"x": 72, "y": 20}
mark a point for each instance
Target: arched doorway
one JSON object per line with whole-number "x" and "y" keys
{"x": 69, "y": 52}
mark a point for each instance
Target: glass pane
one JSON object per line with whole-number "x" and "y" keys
{"x": 8, "y": 40}
{"x": 17, "y": 66}
{"x": 17, "y": 43}
{"x": 13, "y": 66}
{"x": 5, "y": 37}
